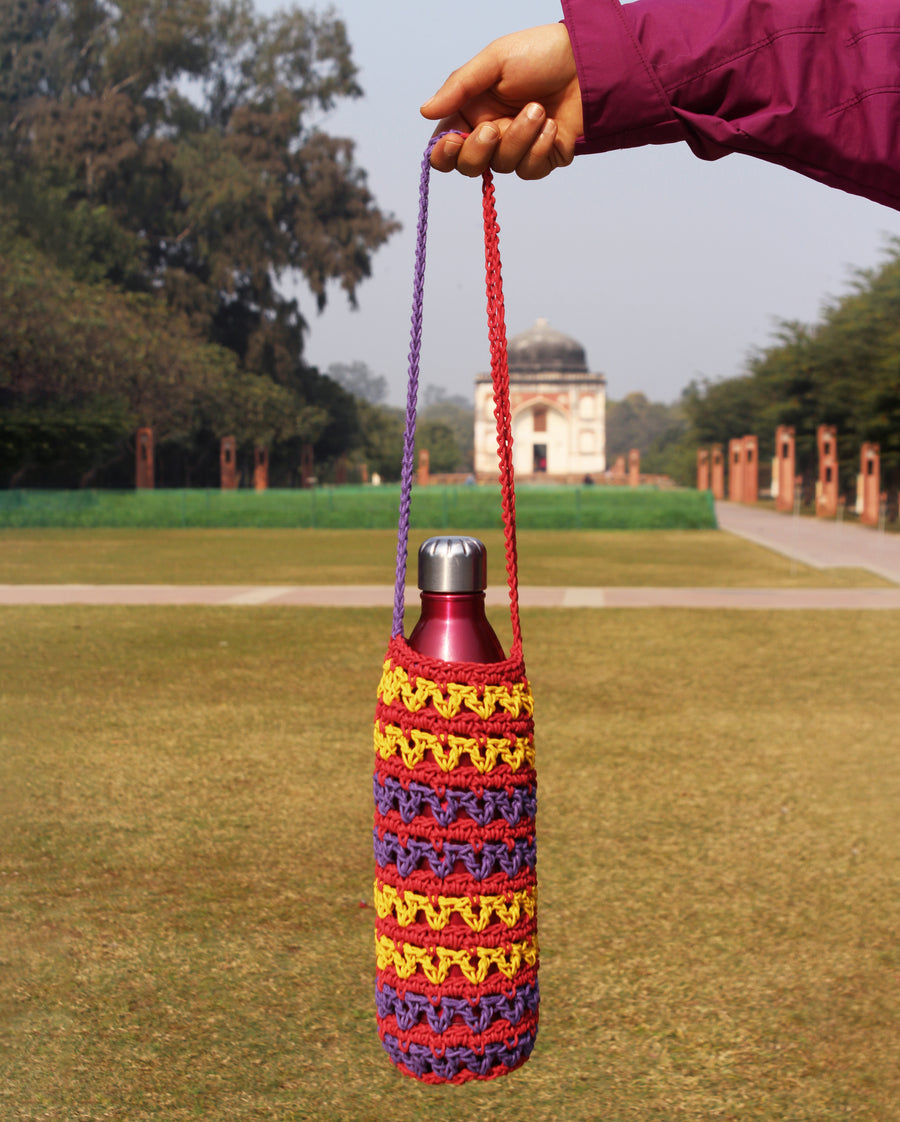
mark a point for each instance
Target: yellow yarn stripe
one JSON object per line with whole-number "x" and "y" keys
{"x": 484, "y": 757}
{"x": 438, "y": 910}
{"x": 436, "y": 963}
{"x": 515, "y": 700}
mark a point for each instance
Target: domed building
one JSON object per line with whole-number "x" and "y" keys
{"x": 558, "y": 410}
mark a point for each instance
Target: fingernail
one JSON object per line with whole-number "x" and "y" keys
{"x": 487, "y": 134}
{"x": 534, "y": 112}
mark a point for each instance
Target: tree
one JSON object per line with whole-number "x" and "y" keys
{"x": 172, "y": 152}
{"x": 357, "y": 379}
{"x": 440, "y": 440}
{"x": 91, "y": 363}
{"x": 382, "y": 438}
{"x": 843, "y": 370}
{"x": 636, "y": 422}
{"x": 456, "y": 413}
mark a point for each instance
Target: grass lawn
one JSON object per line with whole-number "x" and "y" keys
{"x": 668, "y": 558}
{"x": 538, "y": 507}
{"x": 185, "y": 864}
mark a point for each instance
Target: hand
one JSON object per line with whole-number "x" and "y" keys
{"x": 519, "y": 100}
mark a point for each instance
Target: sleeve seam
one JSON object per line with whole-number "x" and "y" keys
{"x": 860, "y": 97}
{"x": 753, "y": 48}
{"x": 648, "y": 68}
{"x": 854, "y": 39}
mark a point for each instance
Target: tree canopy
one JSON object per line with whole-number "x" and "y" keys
{"x": 843, "y": 370}
{"x": 164, "y": 176}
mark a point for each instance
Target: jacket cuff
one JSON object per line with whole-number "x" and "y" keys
{"x": 624, "y": 104}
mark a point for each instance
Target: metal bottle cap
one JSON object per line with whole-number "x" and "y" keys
{"x": 452, "y": 564}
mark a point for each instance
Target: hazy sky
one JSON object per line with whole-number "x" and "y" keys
{"x": 665, "y": 267}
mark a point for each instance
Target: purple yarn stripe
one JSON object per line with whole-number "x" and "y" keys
{"x": 449, "y": 1062}
{"x": 414, "y": 1009}
{"x": 489, "y": 858}
{"x": 413, "y": 799}
{"x": 412, "y": 390}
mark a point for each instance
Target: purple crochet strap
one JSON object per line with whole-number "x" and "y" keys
{"x": 412, "y": 390}
{"x": 500, "y": 379}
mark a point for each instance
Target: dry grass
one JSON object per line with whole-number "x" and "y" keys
{"x": 547, "y": 557}
{"x": 185, "y": 841}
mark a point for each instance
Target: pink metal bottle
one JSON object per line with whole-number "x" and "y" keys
{"x": 452, "y": 580}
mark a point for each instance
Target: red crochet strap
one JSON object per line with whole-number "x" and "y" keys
{"x": 500, "y": 377}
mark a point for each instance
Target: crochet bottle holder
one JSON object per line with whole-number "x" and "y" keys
{"x": 455, "y": 801}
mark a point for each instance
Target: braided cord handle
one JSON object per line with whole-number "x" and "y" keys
{"x": 499, "y": 377}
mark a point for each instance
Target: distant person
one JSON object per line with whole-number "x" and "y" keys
{"x": 813, "y": 85}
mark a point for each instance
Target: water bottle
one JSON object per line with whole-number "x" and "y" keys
{"x": 452, "y": 580}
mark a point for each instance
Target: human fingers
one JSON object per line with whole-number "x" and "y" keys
{"x": 551, "y": 150}
{"x": 477, "y": 150}
{"x": 517, "y": 140}
{"x": 446, "y": 151}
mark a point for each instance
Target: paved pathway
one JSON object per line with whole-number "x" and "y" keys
{"x": 822, "y": 543}
{"x": 810, "y": 541}
{"x": 380, "y": 596}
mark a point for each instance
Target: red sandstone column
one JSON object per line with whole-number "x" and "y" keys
{"x": 424, "y": 467}
{"x": 340, "y": 473}
{"x": 702, "y": 469}
{"x": 228, "y": 463}
{"x": 751, "y": 469}
{"x": 143, "y": 460}
{"x": 870, "y": 477}
{"x": 634, "y": 467}
{"x": 827, "y": 486}
{"x": 618, "y": 470}
{"x": 736, "y": 470}
{"x": 718, "y": 472}
{"x": 785, "y": 454}
{"x": 260, "y": 468}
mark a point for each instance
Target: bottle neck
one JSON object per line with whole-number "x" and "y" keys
{"x": 454, "y": 627}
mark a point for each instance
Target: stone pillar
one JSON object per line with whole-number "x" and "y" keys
{"x": 868, "y": 486}
{"x": 718, "y": 472}
{"x": 340, "y": 471}
{"x": 260, "y": 468}
{"x": 736, "y": 470}
{"x": 634, "y": 467}
{"x": 827, "y": 483}
{"x": 424, "y": 466}
{"x": 702, "y": 469}
{"x": 144, "y": 475}
{"x": 306, "y": 465}
{"x": 618, "y": 470}
{"x": 783, "y": 477}
{"x": 228, "y": 463}
{"x": 751, "y": 469}
{"x": 364, "y": 472}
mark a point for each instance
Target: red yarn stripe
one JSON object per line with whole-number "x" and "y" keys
{"x": 462, "y": 829}
{"x": 427, "y": 883}
{"x": 457, "y": 986}
{"x": 458, "y": 1036}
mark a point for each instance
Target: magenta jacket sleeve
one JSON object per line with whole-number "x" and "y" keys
{"x": 813, "y": 85}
